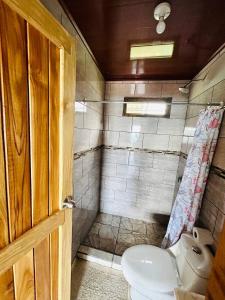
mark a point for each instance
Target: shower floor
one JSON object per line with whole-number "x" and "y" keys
{"x": 115, "y": 234}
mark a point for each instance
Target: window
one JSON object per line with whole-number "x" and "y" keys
{"x": 153, "y": 50}
{"x": 147, "y": 107}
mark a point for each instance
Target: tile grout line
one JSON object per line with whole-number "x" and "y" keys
{"x": 117, "y": 237}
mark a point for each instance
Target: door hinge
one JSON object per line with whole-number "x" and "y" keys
{"x": 69, "y": 202}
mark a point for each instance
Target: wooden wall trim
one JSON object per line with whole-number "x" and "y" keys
{"x": 37, "y": 15}
{"x": 29, "y": 240}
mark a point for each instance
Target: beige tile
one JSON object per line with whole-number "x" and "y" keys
{"x": 120, "y": 123}
{"x": 130, "y": 139}
{"x": 140, "y": 159}
{"x": 111, "y": 138}
{"x": 92, "y": 281}
{"x": 103, "y": 237}
{"x": 108, "y": 219}
{"x": 153, "y": 90}
{"x": 171, "y": 126}
{"x": 122, "y": 89}
{"x": 175, "y": 143}
{"x": 144, "y": 125}
{"x": 126, "y": 171}
{"x": 178, "y": 111}
{"x": 133, "y": 225}
{"x": 156, "y": 142}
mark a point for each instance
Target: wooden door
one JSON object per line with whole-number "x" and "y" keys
{"x": 216, "y": 285}
{"x": 37, "y": 72}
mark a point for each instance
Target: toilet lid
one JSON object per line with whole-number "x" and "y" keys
{"x": 150, "y": 268}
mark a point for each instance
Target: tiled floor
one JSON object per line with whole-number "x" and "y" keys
{"x": 115, "y": 234}
{"x": 91, "y": 281}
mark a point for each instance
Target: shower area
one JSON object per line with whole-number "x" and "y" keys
{"x": 127, "y": 169}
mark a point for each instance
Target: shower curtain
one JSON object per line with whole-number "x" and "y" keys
{"x": 189, "y": 197}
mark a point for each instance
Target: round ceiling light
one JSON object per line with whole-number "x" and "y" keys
{"x": 161, "y": 12}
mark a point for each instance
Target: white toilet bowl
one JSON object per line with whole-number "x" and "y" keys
{"x": 141, "y": 262}
{"x": 153, "y": 273}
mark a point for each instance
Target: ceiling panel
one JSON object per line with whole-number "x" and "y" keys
{"x": 110, "y": 26}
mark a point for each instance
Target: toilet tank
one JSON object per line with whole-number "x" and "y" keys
{"x": 194, "y": 263}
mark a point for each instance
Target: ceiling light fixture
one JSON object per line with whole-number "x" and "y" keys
{"x": 152, "y": 50}
{"x": 162, "y": 12}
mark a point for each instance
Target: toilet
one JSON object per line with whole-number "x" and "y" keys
{"x": 153, "y": 273}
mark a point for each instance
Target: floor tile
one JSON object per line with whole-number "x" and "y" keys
{"x": 108, "y": 219}
{"x": 115, "y": 234}
{"x": 102, "y": 237}
{"x": 133, "y": 225}
{"x": 92, "y": 281}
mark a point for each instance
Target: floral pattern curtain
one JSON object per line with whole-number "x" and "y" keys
{"x": 189, "y": 197}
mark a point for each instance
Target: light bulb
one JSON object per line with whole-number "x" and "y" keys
{"x": 161, "y": 26}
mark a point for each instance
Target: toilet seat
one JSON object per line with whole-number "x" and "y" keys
{"x": 149, "y": 269}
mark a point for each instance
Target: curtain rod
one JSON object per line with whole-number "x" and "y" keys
{"x": 172, "y": 103}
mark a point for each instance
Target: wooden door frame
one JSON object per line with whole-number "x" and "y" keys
{"x": 40, "y": 18}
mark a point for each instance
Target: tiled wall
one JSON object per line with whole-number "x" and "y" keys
{"x": 87, "y": 132}
{"x": 211, "y": 89}
{"x": 141, "y": 154}
{"x": 88, "y": 139}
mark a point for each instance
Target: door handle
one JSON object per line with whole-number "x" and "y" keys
{"x": 69, "y": 202}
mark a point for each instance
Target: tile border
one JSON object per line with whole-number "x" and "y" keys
{"x": 131, "y": 149}
{"x": 78, "y": 155}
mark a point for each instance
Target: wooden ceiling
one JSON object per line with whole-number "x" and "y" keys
{"x": 111, "y": 26}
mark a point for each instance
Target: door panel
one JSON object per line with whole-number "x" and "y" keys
{"x": 37, "y": 60}
{"x": 6, "y": 279}
{"x": 54, "y": 109}
{"x": 16, "y": 135}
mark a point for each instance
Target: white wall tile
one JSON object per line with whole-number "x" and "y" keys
{"x": 153, "y": 90}
{"x": 109, "y": 169}
{"x": 127, "y": 139}
{"x": 111, "y": 138}
{"x": 126, "y": 171}
{"x": 92, "y": 119}
{"x": 137, "y": 186}
{"x": 114, "y": 183}
{"x": 79, "y": 119}
{"x": 121, "y": 90}
{"x": 125, "y": 196}
{"x": 141, "y": 159}
{"x": 165, "y": 161}
{"x": 120, "y": 123}
{"x": 156, "y": 142}
{"x": 178, "y": 111}
{"x": 175, "y": 143}
{"x": 145, "y": 124}
{"x": 158, "y": 179}
{"x": 184, "y": 144}
{"x": 82, "y": 139}
{"x": 171, "y": 126}
{"x": 118, "y": 156}
{"x": 77, "y": 169}
{"x": 114, "y": 109}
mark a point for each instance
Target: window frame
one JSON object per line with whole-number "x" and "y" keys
{"x": 166, "y": 100}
